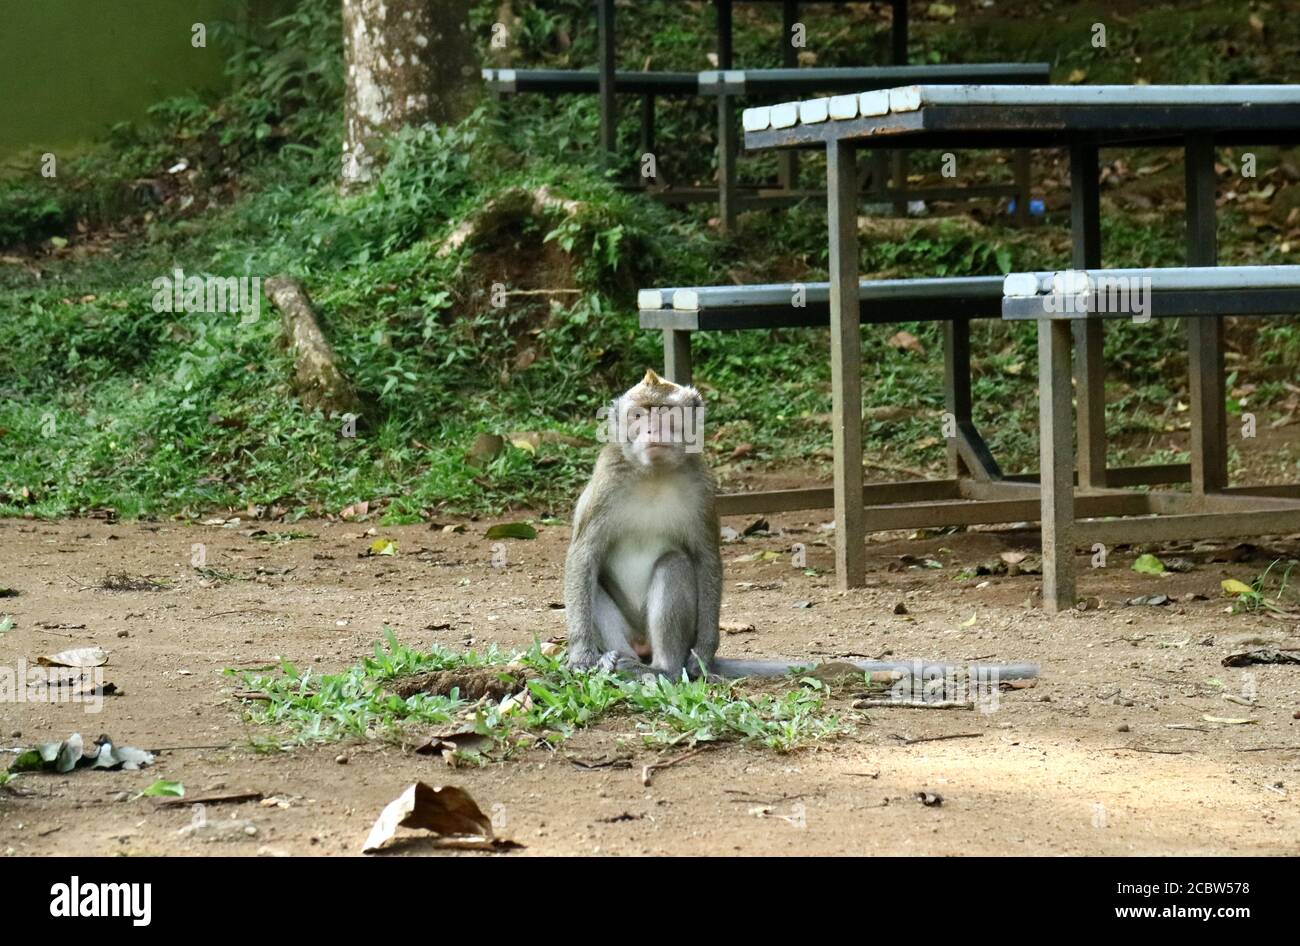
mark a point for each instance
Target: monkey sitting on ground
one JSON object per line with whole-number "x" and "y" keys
{"x": 643, "y": 575}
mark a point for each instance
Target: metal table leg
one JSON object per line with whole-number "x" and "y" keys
{"x": 846, "y": 364}
{"x": 898, "y": 33}
{"x": 1056, "y": 464}
{"x": 968, "y": 454}
{"x": 1089, "y": 369}
{"x": 727, "y": 139}
{"x": 787, "y": 161}
{"x": 1209, "y": 446}
{"x": 898, "y": 44}
{"x": 608, "y": 101}
{"x": 677, "y": 356}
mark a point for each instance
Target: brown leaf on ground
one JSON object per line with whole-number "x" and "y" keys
{"x": 447, "y": 811}
{"x": 906, "y": 341}
{"x": 77, "y": 657}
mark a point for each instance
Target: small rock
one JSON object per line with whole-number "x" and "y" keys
{"x": 341, "y": 759}
{"x": 1153, "y": 600}
{"x": 1122, "y": 727}
{"x": 123, "y": 633}
{"x": 233, "y": 830}
{"x": 900, "y": 608}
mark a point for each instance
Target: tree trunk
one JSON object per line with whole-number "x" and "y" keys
{"x": 406, "y": 62}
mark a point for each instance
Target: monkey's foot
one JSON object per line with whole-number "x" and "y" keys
{"x": 613, "y": 662}
{"x": 629, "y": 666}
{"x": 579, "y": 660}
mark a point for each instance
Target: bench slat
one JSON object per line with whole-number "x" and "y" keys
{"x": 729, "y": 308}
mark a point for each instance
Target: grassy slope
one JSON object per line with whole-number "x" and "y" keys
{"x": 105, "y": 403}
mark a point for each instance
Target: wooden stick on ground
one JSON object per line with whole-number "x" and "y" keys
{"x": 647, "y": 773}
{"x": 911, "y": 741}
{"x": 913, "y": 704}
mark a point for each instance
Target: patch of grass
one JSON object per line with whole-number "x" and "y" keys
{"x": 1271, "y": 591}
{"x": 317, "y": 707}
{"x": 314, "y": 707}
{"x": 284, "y": 538}
{"x": 668, "y": 712}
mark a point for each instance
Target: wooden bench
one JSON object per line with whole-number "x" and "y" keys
{"x": 1056, "y": 301}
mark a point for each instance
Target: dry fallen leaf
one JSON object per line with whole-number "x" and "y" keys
{"x": 906, "y": 341}
{"x": 355, "y": 510}
{"x": 447, "y": 811}
{"x": 77, "y": 657}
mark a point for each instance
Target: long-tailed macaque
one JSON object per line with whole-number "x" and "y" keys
{"x": 643, "y": 576}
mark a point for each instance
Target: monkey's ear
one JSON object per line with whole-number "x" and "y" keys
{"x": 651, "y": 378}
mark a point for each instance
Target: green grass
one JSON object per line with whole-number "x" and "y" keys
{"x": 1271, "y": 591}
{"x": 311, "y": 707}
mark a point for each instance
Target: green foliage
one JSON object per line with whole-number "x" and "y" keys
{"x": 1271, "y": 591}
{"x": 319, "y": 707}
{"x": 29, "y": 214}
{"x": 313, "y": 707}
{"x": 104, "y": 402}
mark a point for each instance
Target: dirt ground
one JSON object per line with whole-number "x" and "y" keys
{"x": 1085, "y": 763}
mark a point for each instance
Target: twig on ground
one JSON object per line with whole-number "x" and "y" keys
{"x": 647, "y": 773}
{"x": 913, "y": 704}
{"x": 911, "y": 741}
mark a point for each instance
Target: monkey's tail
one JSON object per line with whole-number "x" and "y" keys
{"x": 734, "y": 669}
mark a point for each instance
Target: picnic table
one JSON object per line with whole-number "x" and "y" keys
{"x": 727, "y": 84}
{"x": 1082, "y": 119}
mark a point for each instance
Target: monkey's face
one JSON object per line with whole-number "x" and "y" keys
{"x": 660, "y": 423}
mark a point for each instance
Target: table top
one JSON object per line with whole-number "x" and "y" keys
{"x": 975, "y": 116}
{"x": 1152, "y": 293}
